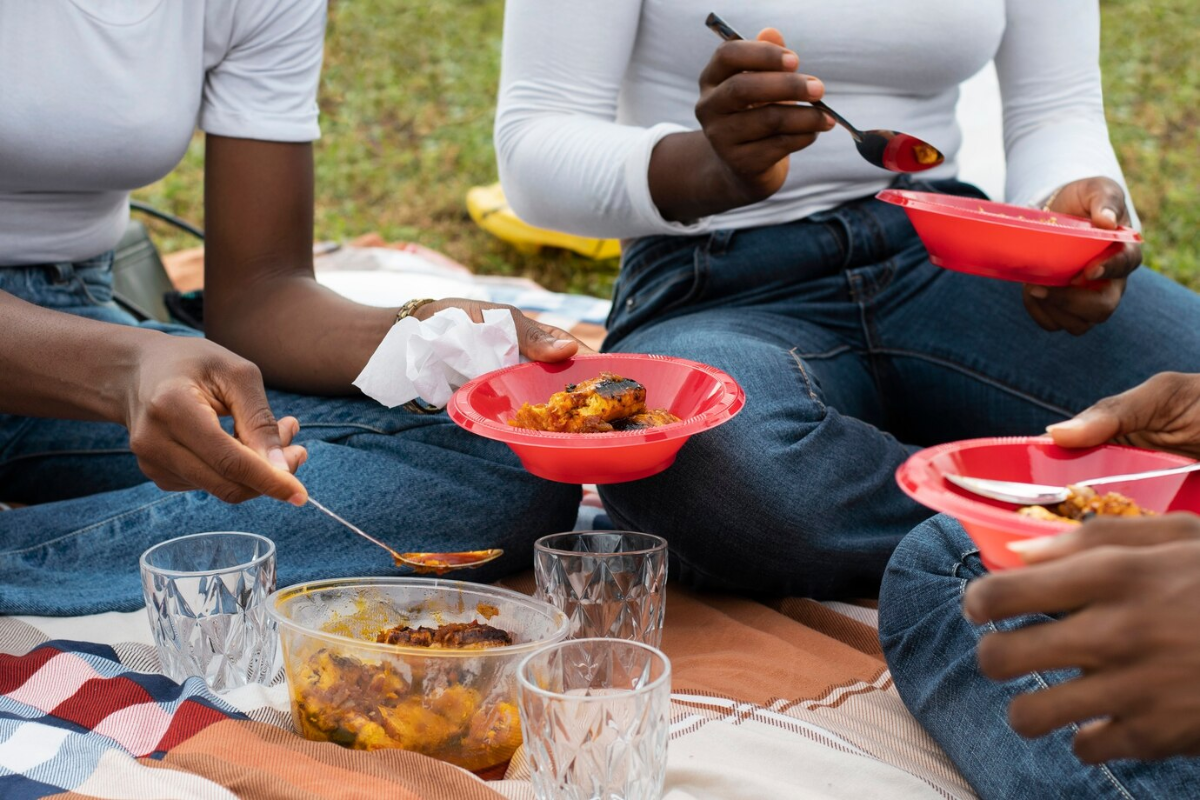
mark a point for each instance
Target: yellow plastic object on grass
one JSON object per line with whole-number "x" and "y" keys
{"x": 491, "y": 211}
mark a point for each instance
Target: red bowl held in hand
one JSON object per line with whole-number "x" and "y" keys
{"x": 701, "y": 396}
{"x": 992, "y": 524}
{"x": 1011, "y": 243}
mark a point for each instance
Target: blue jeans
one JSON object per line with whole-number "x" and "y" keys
{"x": 930, "y": 648}
{"x": 418, "y": 482}
{"x": 853, "y": 349}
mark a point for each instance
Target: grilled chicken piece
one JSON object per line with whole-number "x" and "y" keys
{"x": 647, "y": 419}
{"x": 587, "y": 407}
{"x": 453, "y": 635}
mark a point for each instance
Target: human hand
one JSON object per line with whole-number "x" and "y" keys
{"x": 179, "y": 389}
{"x": 1097, "y": 290}
{"x": 1161, "y": 414}
{"x": 538, "y": 342}
{"x": 1130, "y": 592}
{"x": 748, "y": 112}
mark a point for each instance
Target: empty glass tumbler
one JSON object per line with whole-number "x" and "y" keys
{"x": 608, "y": 583}
{"x": 205, "y": 597}
{"x": 595, "y": 715}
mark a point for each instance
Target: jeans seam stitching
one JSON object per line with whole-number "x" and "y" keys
{"x": 355, "y": 425}
{"x": 89, "y": 528}
{"x": 827, "y": 354}
{"x": 891, "y": 351}
{"x": 812, "y": 395}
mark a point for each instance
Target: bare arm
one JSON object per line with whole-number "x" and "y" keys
{"x": 261, "y": 298}
{"x": 59, "y": 365}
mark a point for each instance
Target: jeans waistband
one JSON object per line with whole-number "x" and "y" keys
{"x": 50, "y": 284}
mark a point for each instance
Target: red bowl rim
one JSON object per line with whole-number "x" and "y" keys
{"x": 942, "y": 499}
{"x": 932, "y": 202}
{"x": 465, "y": 416}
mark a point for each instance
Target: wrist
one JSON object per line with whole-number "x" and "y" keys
{"x": 114, "y": 387}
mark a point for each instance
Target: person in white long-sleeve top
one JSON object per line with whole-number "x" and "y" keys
{"x": 752, "y": 242}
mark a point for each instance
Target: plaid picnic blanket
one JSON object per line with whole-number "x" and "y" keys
{"x": 773, "y": 701}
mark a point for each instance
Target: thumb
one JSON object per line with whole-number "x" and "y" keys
{"x": 771, "y": 35}
{"x": 538, "y": 344}
{"x": 1106, "y": 204}
{"x": 1130, "y": 412}
{"x": 1089, "y": 428}
{"x": 257, "y": 429}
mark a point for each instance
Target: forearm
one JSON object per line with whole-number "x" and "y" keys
{"x": 305, "y": 338}
{"x": 59, "y": 365}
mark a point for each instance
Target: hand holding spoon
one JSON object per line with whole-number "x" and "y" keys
{"x": 891, "y": 150}
{"x": 436, "y": 563}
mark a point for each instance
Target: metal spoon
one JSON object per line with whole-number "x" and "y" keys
{"x": 891, "y": 150}
{"x": 1035, "y": 494}
{"x": 436, "y": 563}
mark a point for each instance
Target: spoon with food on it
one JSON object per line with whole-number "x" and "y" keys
{"x": 422, "y": 563}
{"x": 891, "y": 150}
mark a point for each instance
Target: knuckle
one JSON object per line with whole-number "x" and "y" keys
{"x": 230, "y": 465}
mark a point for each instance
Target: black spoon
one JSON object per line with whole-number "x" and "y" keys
{"x": 891, "y": 150}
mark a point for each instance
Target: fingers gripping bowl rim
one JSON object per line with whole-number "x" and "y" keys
{"x": 992, "y": 525}
{"x": 1003, "y": 241}
{"x": 702, "y": 396}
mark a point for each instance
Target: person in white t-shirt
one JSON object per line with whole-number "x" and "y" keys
{"x": 99, "y": 415}
{"x": 753, "y": 242}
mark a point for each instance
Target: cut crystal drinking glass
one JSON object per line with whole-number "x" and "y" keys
{"x": 205, "y": 597}
{"x": 595, "y": 718}
{"x": 608, "y": 583}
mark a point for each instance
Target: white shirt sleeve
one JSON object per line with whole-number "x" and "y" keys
{"x": 265, "y": 84}
{"x": 565, "y": 163}
{"x": 1054, "y": 126}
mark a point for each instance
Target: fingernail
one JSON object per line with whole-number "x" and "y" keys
{"x": 815, "y": 88}
{"x": 561, "y": 344}
{"x": 1040, "y": 292}
{"x": 829, "y": 122}
{"x": 1095, "y": 273}
{"x": 277, "y": 459}
{"x": 1109, "y": 214}
{"x": 1066, "y": 425}
{"x": 791, "y": 61}
{"x": 298, "y": 499}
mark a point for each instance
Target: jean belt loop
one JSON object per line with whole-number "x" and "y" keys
{"x": 61, "y": 273}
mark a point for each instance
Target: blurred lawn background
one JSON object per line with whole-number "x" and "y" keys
{"x": 409, "y": 92}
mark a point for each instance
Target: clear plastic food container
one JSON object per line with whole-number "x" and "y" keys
{"x": 459, "y": 706}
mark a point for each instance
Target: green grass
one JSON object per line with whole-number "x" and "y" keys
{"x": 409, "y": 92}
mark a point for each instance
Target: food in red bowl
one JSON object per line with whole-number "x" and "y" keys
{"x": 998, "y": 240}
{"x": 992, "y": 524}
{"x": 701, "y": 396}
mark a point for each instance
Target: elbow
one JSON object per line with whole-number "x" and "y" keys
{"x": 518, "y": 171}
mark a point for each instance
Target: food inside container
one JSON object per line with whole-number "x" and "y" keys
{"x": 605, "y": 403}
{"x": 1084, "y": 503}
{"x": 410, "y": 663}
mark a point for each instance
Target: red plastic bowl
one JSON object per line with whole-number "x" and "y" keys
{"x": 701, "y": 396}
{"x": 992, "y": 525}
{"x": 998, "y": 240}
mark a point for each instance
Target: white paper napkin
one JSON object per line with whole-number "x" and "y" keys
{"x": 431, "y": 359}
